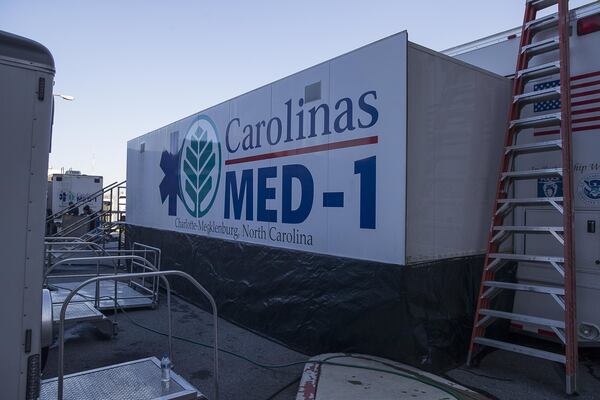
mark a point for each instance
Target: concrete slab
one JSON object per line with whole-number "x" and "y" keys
{"x": 355, "y": 377}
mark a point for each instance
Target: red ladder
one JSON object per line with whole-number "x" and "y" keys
{"x": 500, "y": 251}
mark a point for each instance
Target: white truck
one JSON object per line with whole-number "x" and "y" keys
{"x": 376, "y": 161}
{"x": 498, "y": 53}
{"x": 26, "y": 80}
{"x": 71, "y": 188}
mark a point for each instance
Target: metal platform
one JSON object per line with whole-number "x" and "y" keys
{"x": 127, "y": 296}
{"x": 135, "y": 380}
{"x": 77, "y": 312}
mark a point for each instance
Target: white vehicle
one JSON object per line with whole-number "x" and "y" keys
{"x": 26, "y": 79}
{"x": 374, "y": 161}
{"x": 498, "y": 54}
{"x": 73, "y": 187}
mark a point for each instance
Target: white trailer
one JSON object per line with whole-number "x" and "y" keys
{"x": 73, "y": 187}
{"x": 389, "y": 144}
{"x": 376, "y": 161}
{"x": 498, "y": 53}
{"x": 26, "y": 80}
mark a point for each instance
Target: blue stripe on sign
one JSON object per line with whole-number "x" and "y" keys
{"x": 333, "y": 199}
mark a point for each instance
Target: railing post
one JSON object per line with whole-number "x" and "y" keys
{"x": 162, "y": 275}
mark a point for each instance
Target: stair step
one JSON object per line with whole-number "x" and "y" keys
{"x": 534, "y": 173}
{"x": 535, "y": 147}
{"x": 515, "y": 348}
{"x": 526, "y": 257}
{"x": 552, "y": 93}
{"x": 528, "y": 319}
{"x": 541, "y": 47}
{"x": 540, "y": 24}
{"x": 539, "y": 71}
{"x": 525, "y": 287}
{"x": 538, "y": 121}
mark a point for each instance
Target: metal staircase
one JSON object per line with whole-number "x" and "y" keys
{"x": 505, "y": 225}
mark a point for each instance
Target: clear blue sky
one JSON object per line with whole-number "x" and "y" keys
{"x": 135, "y": 65}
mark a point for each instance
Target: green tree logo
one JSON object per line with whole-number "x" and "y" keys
{"x": 200, "y": 167}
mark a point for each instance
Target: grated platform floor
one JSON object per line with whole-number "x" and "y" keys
{"x": 135, "y": 380}
{"x": 127, "y": 296}
{"x": 80, "y": 311}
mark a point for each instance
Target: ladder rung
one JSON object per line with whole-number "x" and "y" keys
{"x": 539, "y": 71}
{"x": 526, "y": 257}
{"x": 534, "y": 173}
{"x": 529, "y": 229}
{"x": 538, "y": 121}
{"x": 506, "y": 205}
{"x": 530, "y": 351}
{"x": 523, "y": 318}
{"x": 538, "y": 95}
{"x": 525, "y": 287}
{"x": 540, "y": 24}
{"x": 541, "y": 4}
{"x": 531, "y": 200}
{"x": 535, "y": 147}
{"x": 543, "y": 46}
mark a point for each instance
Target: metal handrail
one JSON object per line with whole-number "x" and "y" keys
{"x": 97, "y": 299}
{"x": 98, "y": 258}
{"x": 82, "y": 222}
{"x": 104, "y": 228}
{"x": 106, "y": 251}
{"x": 157, "y": 261}
{"x": 63, "y": 238}
{"x": 162, "y": 275}
{"x": 146, "y": 263}
{"x": 60, "y": 254}
{"x": 95, "y": 247}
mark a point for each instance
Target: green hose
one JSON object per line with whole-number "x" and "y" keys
{"x": 426, "y": 381}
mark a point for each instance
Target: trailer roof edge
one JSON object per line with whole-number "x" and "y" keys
{"x": 19, "y": 49}
{"x": 508, "y": 34}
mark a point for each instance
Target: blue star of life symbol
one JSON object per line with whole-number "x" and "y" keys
{"x": 169, "y": 186}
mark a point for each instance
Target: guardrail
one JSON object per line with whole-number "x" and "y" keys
{"x": 143, "y": 262}
{"x": 92, "y": 247}
{"x": 162, "y": 275}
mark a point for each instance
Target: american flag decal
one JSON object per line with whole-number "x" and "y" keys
{"x": 585, "y": 103}
{"x": 548, "y": 104}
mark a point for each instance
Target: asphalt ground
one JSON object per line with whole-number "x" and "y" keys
{"x": 511, "y": 376}
{"x": 500, "y": 375}
{"x": 87, "y": 347}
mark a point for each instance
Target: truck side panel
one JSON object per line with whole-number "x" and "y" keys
{"x": 25, "y": 125}
{"x": 456, "y": 119}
